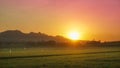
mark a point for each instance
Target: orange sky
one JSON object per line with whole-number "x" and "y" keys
{"x": 94, "y": 19}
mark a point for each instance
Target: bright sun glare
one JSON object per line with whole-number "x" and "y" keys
{"x": 74, "y": 35}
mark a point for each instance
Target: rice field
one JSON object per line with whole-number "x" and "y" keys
{"x": 99, "y": 57}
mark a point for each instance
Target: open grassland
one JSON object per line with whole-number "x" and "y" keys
{"x": 107, "y": 57}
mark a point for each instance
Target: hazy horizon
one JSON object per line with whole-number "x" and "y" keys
{"x": 93, "y": 19}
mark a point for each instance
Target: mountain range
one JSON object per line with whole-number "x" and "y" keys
{"x": 18, "y": 36}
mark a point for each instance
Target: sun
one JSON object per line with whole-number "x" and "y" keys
{"x": 74, "y": 35}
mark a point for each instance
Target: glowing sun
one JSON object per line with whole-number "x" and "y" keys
{"x": 74, "y": 35}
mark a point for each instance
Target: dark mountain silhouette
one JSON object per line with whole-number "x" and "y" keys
{"x": 18, "y": 36}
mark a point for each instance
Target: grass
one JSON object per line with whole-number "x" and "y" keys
{"x": 60, "y": 58}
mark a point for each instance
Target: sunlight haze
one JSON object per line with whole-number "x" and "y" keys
{"x": 96, "y": 19}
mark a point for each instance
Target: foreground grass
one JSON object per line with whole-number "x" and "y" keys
{"x": 60, "y": 58}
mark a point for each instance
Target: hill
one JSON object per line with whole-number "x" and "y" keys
{"x": 18, "y": 36}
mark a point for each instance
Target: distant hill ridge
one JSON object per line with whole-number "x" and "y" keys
{"x": 18, "y": 36}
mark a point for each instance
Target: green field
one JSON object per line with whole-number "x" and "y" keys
{"x": 60, "y": 58}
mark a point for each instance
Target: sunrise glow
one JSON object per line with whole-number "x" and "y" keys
{"x": 99, "y": 19}
{"x": 74, "y": 35}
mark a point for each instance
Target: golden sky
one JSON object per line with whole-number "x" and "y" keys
{"x": 93, "y": 19}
